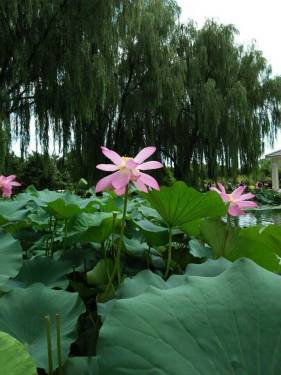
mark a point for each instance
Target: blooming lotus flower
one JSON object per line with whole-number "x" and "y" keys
{"x": 126, "y": 169}
{"x": 6, "y": 185}
{"x": 237, "y": 200}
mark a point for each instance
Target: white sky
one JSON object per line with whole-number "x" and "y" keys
{"x": 256, "y": 20}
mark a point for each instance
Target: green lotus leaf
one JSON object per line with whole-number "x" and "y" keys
{"x": 100, "y": 274}
{"x": 199, "y": 250}
{"x": 10, "y": 257}
{"x": 262, "y": 245}
{"x": 228, "y": 324}
{"x": 11, "y": 210}
{"x": 180, "y": 204}
{"x": 14, "y": 358}
{"x": 22, "y": 313}
{"x": 135, "y": 247}
{"x": 210, "y": 268}
{"x": 45, "y": 270}
{"x": 95, "y": 227}
{"x": 155, "y": 235}
{"x": 68, "y": 206}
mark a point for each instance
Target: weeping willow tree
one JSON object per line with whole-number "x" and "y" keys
{"x": 126, "y": 73}
{"x": 232, "y": 103}
{"x": 55, "y": 64}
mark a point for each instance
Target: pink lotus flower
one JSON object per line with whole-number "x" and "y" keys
{"x": 6, "y": 185}
{"x": 128, "y": 169}
{"x": 237, "y": 200}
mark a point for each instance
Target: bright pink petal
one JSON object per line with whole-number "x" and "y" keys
{"x": 212, "y": 188}
{"x": 131, "y": 164}
{"x": 237, "y": 192}
{"x": 112, "y": 155}
{"x": 150, "y": 165}
{"x": 15, "y": 183}
{"x": 149, "y": 181}
{"x": 246, "y": 204}
{"x": 234, "y": 210}
{"x": 11, "y": 177}
{"x": 120, "y": 180}
{"x": 221, "y": 187}
{"x": 105, "y": 182}
{"x": 245, "y": 197}
{"x": 225, "y": 197}
{"x": 140, "y": 185}
{"x": 144, "y": 154}
{"x": 107, "y": 167}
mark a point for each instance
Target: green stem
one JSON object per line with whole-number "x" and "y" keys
{"x": 123, "y": 222}
{"x": 228, "y": 229}
{"x": 49, "y": 344}
{"x": 53, "y": 237}
{"x": 64, "y": 233}
{"x": 58, "y": 327}
{"x": 169, "y": 254}
{"x": 114, "y": 216}
{"x": 116, "y": 267}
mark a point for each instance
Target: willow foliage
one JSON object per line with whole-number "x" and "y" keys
{"x": 126, "y": 73}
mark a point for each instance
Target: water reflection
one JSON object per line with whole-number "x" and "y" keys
{"x": 260, "y": 217}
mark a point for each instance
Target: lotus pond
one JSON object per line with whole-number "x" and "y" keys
{"x": 169, "y": 288}
{"x": 261, "y": 216}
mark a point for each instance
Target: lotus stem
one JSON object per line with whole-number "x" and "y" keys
{"x": 58, "y": 327}
{"x": 49, "y": 344}
{"x": 123, "y": 222}
{"x": 169, "y": 254}
{"x": 228, "y": 228}
{"x": 64, "y": 234}
{"x": 53, "y": 232}
{"x": 116, "y": 267}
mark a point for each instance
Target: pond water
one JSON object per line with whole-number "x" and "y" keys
{"x": 262, "y": 216}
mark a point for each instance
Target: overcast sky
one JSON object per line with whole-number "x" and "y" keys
{"x": 256, "y": 20}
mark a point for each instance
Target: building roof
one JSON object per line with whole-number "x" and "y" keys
{"x": 274, "y": 154}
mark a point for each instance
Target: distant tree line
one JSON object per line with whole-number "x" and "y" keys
{"x": 127, "y": 73}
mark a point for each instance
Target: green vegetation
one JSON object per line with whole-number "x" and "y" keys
{"x": 58, "y": 263}
{"x": 127, "y": 73}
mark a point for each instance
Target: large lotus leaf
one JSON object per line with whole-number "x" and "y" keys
{"x": 81, "y": 366}
{"x": 135, "y": 247}
{"x": 259, "y": 245}
{"x": 68, "y": 206}
{"x": 229, "y": 324}
{"x": 262, "y": 245}
{"x": 14, "y": 358}
{"x": 199, "y": 249}
{"x": 210, "y": 268}
{"x": 22, "y": 314}
{"x": 180, "y": 204}
{"x": 95, "y": 227}
{"x": 100, "y": 274}
{"x": 10, "y": 257}
{"x": 45, "y": 270}
{"x": 134, "y": 286}
{"x": 219, "y": 236}
{"x": 11, "y": 210}
{"x": 44, "y": 196}
{"x": 155, "y": 235}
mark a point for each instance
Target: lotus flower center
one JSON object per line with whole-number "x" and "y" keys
{"x": 126, "y": 158}
{"x": 231, "y": 199}
{"x": 123, "y": 167}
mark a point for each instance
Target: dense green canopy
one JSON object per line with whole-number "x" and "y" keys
{"x": 126, "y": 73}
